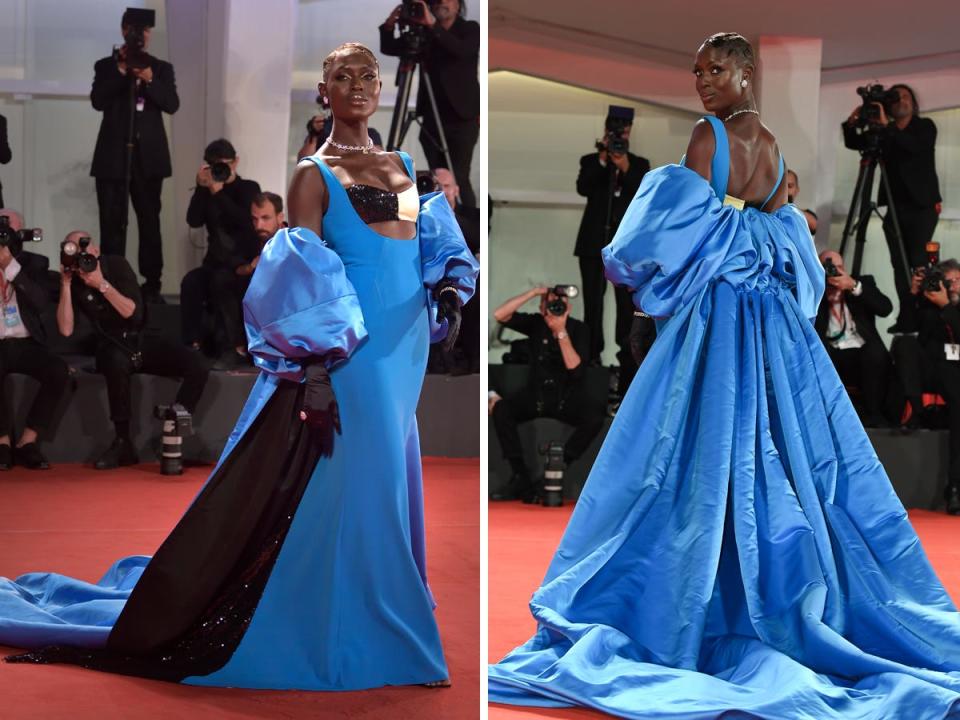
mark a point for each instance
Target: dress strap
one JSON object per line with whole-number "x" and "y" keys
{"x": 408, "y": 164}
{"x": 720, "y": 164}
{"x": 776, "y": 185}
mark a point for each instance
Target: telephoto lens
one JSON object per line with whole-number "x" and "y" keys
{"x": 220, "y": 172}
{"x": 553, "y": 474}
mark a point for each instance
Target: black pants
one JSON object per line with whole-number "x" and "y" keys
{"x": 916, "y": 226}
{"x": 574, "y": 407}
{"x": 461, "y": 137}
{"x": 920, "y": 373}
{"x": 160, "y": 357}
{"x": 27, "y": 356}
{"x": 867, "y": 368}
{"x": 594, "y": 285}
{"x": 469, "y": 339}
{"x": 145, "y": 197}
{"x": 220, "y": 289}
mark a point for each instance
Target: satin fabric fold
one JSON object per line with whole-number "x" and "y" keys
{"x": 738, "y": 550}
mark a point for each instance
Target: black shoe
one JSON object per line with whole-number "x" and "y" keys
{"x": 29, "y": 456}
{"x": 150, "y": 293}
{"x": 120, "y": 453}
{"x": 953, "y": 500}
{"x": 6, "y": 457}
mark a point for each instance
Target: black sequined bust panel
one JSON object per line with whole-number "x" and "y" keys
{"x": 374, "y": 204}
{"x": 192, "y": 606}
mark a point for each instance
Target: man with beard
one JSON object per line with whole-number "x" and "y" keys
{"x": 931, "y": 360}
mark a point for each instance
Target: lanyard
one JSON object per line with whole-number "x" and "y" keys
{"x": 841, "y": 317}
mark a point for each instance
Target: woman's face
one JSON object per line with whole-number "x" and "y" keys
{"x": 718, "y": 79}
{"x": 352, "y": 86}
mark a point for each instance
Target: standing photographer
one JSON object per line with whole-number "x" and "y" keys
{"x": 131, "y": 81}
{"x": 608, "y": 179}
{"x": 907, "y": 146}
{"x": 23, "y": 297}
{"x": 450, "y": 56}
{"x": 554, "y": 387}
{"x": 104, "y": 288}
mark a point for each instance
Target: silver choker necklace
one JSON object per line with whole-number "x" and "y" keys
{"x": 365, "y": 149}
{"x": 731, "y": 116}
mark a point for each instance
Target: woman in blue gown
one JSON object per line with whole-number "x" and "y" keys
{"x": 738, "y": 550}
{"x": 301, "y": 563}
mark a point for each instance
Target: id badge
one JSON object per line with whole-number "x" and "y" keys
{"x": 952, "y": 351}
{"x": 11, "y": 318}
{"x": 141, "y": 103}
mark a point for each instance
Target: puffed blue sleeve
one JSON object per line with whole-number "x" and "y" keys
{"x": 444, "y": 256}
{"x": 300, "y": 303}
{"x": 677, "y": 237}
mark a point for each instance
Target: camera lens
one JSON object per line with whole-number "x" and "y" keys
{"x": 220, "y": 171}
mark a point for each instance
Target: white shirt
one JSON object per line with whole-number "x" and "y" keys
{"x": 11, "y": 324}
{"x": 841, "y": 329}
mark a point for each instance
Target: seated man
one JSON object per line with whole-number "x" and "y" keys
{"x": 110, "y": 298}
{"x": 931, "y": 361}
{"x": 847, "y": 324}
{"x": 222, "y": 204}
{"x": 23, "y": 297}
{"x": 266, "y": 216}
{"x": 555, "y": 389}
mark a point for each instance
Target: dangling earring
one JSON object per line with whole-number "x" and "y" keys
{"x": 743, "y": 83}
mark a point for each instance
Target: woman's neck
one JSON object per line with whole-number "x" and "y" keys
{"x": 350, "y": 133}
{"x": 746, "y": 104}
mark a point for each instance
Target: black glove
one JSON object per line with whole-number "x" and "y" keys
{"x": 320, "y": 410}
{"x": 448, "y": 308}
{"x": 643, "y": 332}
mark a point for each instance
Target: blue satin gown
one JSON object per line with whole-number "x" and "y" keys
{"x": 738, "y": 550}
{"x": 344, "y": 603}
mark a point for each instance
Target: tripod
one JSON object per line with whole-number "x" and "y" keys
{"x": 403, "y": 118}
{"x": 862, "y": 207}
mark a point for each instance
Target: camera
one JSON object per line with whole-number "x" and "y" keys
{"x": 870, "y": 113}
{"x": 74, "y": 255}
{"x": 553, "y": 474}
{"x": 220, "y": 172}
{"x": 14, "y": 239}
{"x": 426, "y": 183}
{"x": 136, "y": 21}
{"x": 558, "y": 306}
{"x": 618, "y": 118}
{"x": 413, "y": 35}
{"x": 932, "y": 276}
{"x": 830, "y": 268}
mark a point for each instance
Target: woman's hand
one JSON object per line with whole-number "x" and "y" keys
{"x": 448, "y": 308}
{"x": 320, "y": 410}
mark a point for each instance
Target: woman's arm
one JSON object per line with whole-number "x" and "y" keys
{"x": 700, "y": 150}
{"x": 307, "y": 198}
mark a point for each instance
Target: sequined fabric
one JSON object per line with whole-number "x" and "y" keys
{"x": 373, "y": 204}
{"x": 211, "y": 638}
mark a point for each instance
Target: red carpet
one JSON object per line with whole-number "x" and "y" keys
{"x": 77, "y": 521}
{"x": 522, "y": 539}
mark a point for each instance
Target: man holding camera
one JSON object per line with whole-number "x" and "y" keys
{"x": 221, "y": 202}
{"x": 608, "y": 179}
{"x": 23, "y": 297}
{"x": 555, "y": 388}
{"x": 906, "y": 142}
{"x": 847, "y": 323}
{"x": 930, "y": 361}
{"x": 104, "y": 288}
{"x": 450, "y": 56}
{"x": 132, "y": 82}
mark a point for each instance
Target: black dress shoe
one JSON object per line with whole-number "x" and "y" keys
{"x": 6, "y": 457}
{"x": 29, "y": 456}
{"x": 119, "y": 454}
{"x": 953, "y": 500}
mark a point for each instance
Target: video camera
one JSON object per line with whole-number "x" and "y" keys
{"x": 932, "y": 276}
{"x": 870, "y": 113}
{"x": 14, "y": 239}
{"x": 413, "y": 35}
{"x": 618, "y": 118}
{"x": 74, "y": 255}
{"x": 558, "y": 306}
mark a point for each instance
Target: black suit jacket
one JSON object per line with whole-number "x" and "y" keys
{"x": 5, "y": 154}
{"x": 111, "y": 96}
{"x": 33, "y": 296}
{"x": 865, "y": 309}
{"x": 909, "y": 155}
{"x": 935, "y": 326}
{"x": 451, "y": 58}
{"x": 593, "y": 183}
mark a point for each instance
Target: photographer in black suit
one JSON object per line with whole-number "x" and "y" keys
{"x": 451, "y": 58}
{"x": 23, "y": 297}
{"x": 907, "y": 143}
{"x": 132, "y": 81}
{"x": 554, "y": 389}
{"x": 847, "y": 323}
{"x": 608, "y": 180}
